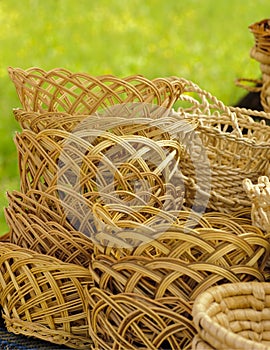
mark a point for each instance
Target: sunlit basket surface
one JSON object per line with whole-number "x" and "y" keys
{"x": 259, "y": 195}
{"x": 43, "y": 297}
{"x": 233, "y": 316}
{"x": 133, "y": 321}
{"x": 237, "y": 146}
{"x": 61, "y": 90}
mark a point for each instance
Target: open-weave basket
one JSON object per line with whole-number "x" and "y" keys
{"x": 233, "y": 316}
{"x": 133, "y": 321}
{"x": 60, "y": 90}
{"x": 259, "y": 195}
{"x": 237, "y": 146}
{"x": 43, "y": 297}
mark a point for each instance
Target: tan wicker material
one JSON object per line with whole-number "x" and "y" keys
{"x": 37, "y": 221}
{"x": 133, "y": 321}
{"x": 60, "y": 90}
{"x": 259, "y": 195}
{"x": 236, "y": 145}
{"x": 44, "y": 297}
{"x": 233, "y": 316}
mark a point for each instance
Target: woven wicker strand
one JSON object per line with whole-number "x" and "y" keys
{"x": 43, "y": 297}
{"x": 60, "y": 90}
{"x": 233, "y": 316}
{"x": 259, "y": 195}
{"x": 132, "y": 321}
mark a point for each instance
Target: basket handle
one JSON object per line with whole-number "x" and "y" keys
{"x": 206, "y": 105}
{"x": 257, "y": 82}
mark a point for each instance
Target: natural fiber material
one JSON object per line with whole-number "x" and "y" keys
{"x": 233, "y": 316}
{"x": 133, "y": 321}
{"x": 43, "y": 297}
{"x": 59, "y": 90}
{"x": 259, "y": 195}
{"x": 236, "y": 145}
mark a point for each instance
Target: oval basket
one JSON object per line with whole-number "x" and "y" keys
{"x": 237, "y": 146}
{"x": 43, "y": 297}
{"x": 233, "y": 316}
{"x": 60, "y": 90}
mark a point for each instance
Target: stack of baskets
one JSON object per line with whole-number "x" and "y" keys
{"x": 87, "y": 264}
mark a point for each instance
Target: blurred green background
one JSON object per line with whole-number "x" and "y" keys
{"x": 206, "y": 41}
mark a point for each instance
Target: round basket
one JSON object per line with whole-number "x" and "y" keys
{"x": 233, "y": 316}
{"x": 259, "y": 196}
{"x": 237, "y": 146}
{"x": 43, "y": 297}
{"x": 60, "y": 90}
{"x": 133, "y": 321}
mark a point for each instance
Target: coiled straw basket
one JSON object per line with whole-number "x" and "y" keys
{"x": 233, "y": 316}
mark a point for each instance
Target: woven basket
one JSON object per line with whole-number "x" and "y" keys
{"x": 43, "y": 297}
{"x": 259, "y": 195}
{"x": 133, "y": 321}
{"x": 237, "y": 147}
{"x": 233, "y": 316}
{"x": 59, "y": 90}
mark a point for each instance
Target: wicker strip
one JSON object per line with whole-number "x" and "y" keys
{"x": 237, "y": 147}
{"x": 260, "y": 198}
{"x": 233, "y": 316}
{"x": 43, "y": 297}
{"x": 132, "y": 321}
{"x": 60, "y": 90}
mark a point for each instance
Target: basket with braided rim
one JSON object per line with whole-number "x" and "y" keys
{"x": 233, "y": 316}
{"x": 43, "y": 297}
{"x": 134, "y": 321}
{"x": 259, "y": 195}
{"x": 236, "y": 145}
{"x": 60, "y": 90}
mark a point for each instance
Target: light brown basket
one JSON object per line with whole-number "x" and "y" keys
{"x": 60, "y": 90}
{"x": 133, "y": 321}
{"x": 43, "y": 297}
{"x": 233, "y": 316}
{"x": 259, "y": 196}
{"x": 237, "y": 147}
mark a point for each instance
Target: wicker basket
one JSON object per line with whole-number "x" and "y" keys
{"x": 233, "y": 316}
{"x": 43, "y": 297}
{"x": 259, "y": 196}
{"x": 237, "y": 147}
{"x": 59, "y": 90}
{"x": 133, "y": 321}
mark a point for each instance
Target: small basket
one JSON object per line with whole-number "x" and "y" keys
{"x": 259, "y": 196}
{"x": 133, "y": 321}
{"x": 43, "y": 297}
{"x": 233, "y": 316}
{"x": 237, "y": 146}
{"x": 60, "y": 90}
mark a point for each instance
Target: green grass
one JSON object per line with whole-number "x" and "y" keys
{"x": 207, "y": 41}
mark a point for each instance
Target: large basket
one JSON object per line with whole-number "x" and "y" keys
{"x": 259, "y": 195}
{"x": 233, "y": 316}
{"x": 237, "y": 147}
{"x": 43, "y": 297}
{"x": 59, "y": 90}
{"x": 133, "y": 321}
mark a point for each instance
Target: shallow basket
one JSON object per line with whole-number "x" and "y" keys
{"x": 43, "y": 297}
{"x": 233, "y": 316}
{"x": 236, "y": 145}
{"x": 259, "y": 195}
{"x": 60, "y": 90}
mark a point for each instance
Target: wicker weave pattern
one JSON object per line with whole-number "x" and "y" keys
{"x": 132, "y": 321}
{"x": 237, "y": 147}
{"x": 43, "y": 297}
{"x": 259, "y": 195}
{"x": 233, "y": 316}
{"x": 60, "y": 90}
